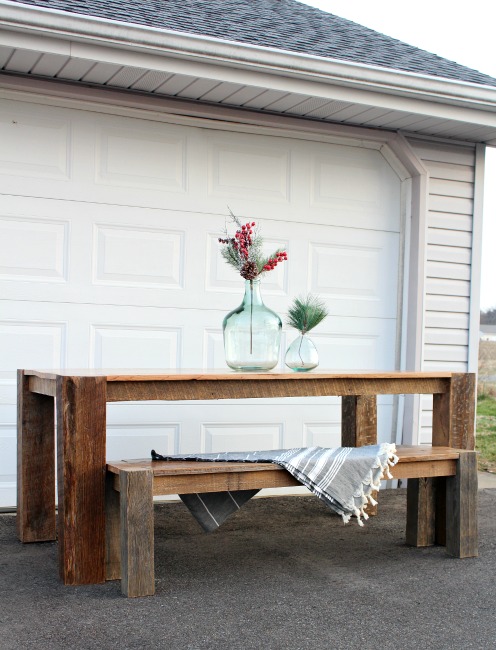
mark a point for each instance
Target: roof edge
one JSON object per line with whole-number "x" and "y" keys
{"x": 182, "y": 45}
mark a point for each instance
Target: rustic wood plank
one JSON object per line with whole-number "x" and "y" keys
{"x": 440, "y": 491}
{"x": 461, "y": 508}
{"x": 112, "y": 530}
{"x": 35, "y": 464}
{"x": 420, "y": 512}
{"x": 137, "y": 553}
{"x": 359, "y": 420}
{"x": 405, "y": 453}
{"x": 81, "y": 433}
{"x": 270, "y": 387}
{"x": 278, "y": 477}
{"x": 424, "y": 469}
{"x": 359, "y": 426}
{"x": 453, "y": 422}
{"x": 183, "y": 477}
{"x": 168, "y": 467}
{"x": 186, "y": 374}
{"x": 220, "y": 482}
{"x": 43, "y": 386}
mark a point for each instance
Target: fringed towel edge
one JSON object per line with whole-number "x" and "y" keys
{"x": 385, "y": 459}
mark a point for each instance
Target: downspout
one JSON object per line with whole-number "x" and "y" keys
{"x": 413, "y": 309}
{"x": 475, "y": 266}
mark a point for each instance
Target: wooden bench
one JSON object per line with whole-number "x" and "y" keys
{"x": 441, "y": 503}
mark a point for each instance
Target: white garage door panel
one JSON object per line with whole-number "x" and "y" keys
{"x": 82, "y": 336}
{"x": 98, "y": 158}
{"x": 179, "y": 428}
{"x": 101, "y": 256}
{"x": 109, "y": 258}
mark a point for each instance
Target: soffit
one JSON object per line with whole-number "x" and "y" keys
{"x": 258, "y": 88}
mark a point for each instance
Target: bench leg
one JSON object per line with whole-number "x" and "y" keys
{"x": 420, "y": 512}
{"x": 112, "y": 530}
{"x": 136, "y": 513}
{"x": 461, "y": 508}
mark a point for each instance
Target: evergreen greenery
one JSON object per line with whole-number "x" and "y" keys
{"x": 306, "y": 313}
{"x": 244, "y": 251}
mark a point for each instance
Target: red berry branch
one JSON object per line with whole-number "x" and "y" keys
{"x": 244, "y": 250}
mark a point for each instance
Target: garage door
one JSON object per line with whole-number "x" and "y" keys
{"x": 109, "y": 258}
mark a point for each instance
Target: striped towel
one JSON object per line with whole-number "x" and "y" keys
{"x": 343, "y": 478}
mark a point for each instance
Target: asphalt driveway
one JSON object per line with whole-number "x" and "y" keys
{"x": 281, "y": 573}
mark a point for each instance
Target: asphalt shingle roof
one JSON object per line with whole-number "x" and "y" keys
{"x": 281, "y": 24}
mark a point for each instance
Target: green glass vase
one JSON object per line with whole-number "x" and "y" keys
{"x": 252, "y": 333}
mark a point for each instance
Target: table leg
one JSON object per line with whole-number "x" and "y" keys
{"x": 453, "y": 423}
{"x": 453, "y": 417}
{"x": 359, "y": 425}
{"x": 81, "y": 437}
{"x": 358, "y": 420}
{"x": 35, "y": 464}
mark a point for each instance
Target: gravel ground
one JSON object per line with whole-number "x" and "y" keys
{"x": 281, "y": 573}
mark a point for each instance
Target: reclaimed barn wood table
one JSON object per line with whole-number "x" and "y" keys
{"x": 78, "y": 398}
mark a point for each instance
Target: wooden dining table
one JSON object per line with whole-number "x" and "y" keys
{"x": 62, "y": 416}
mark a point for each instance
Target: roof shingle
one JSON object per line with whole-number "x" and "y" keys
{"x": 281, "y": 24}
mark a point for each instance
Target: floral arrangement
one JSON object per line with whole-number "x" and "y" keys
{"x": 244, "y": 251}
{"x": 306, "y": 313}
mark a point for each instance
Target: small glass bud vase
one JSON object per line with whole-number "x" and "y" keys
{"x": 301, "y": 355}
{"x": 252, "y": 333}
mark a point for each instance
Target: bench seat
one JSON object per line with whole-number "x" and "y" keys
{"x": 441, "y": 502}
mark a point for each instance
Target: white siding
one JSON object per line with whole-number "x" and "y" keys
{"x": 450, "y": 207}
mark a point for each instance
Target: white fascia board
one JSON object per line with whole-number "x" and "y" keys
{"x": 140, "y": 46}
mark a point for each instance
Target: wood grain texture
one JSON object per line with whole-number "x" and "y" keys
{"x": 43, "y": 386}
{"x": 81, "y": 397}
{"x": 359, "y": 420}
{"x": 35, "y": 464}
{"x": 137, "y": 541}
{"x": 359, "y": 426}
{"x": 81, "y": 437}
{"x": 440, "y": 496}
{"x": 137, "y": 481}
{"x": 453, "y": 418}
{"x": 183, "y": 477}
{"x": 424, "y": 469}
{"x": 221, "y": 482}
{"x": 222, "y": 374}
{"x": 405, "y": 453}
{"x": 270, "y": 387}
{"x": 420, "y": 512}
{"x": 461, "y": 508}
{"x": 112, "y": 530}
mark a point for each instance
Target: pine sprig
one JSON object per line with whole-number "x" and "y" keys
{"x": 306, "y": 313}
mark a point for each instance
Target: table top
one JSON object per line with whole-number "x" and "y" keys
{"x": 223, "y": 374}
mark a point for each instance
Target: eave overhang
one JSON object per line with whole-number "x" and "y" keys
{"x": 43, "y": 43}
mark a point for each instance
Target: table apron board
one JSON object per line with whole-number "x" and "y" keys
{"x": 209, "y": 389}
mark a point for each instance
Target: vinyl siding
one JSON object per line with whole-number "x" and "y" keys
{"x": 450, "y": 207}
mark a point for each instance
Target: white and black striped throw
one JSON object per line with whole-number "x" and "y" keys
{"x": 343, "y": 478}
